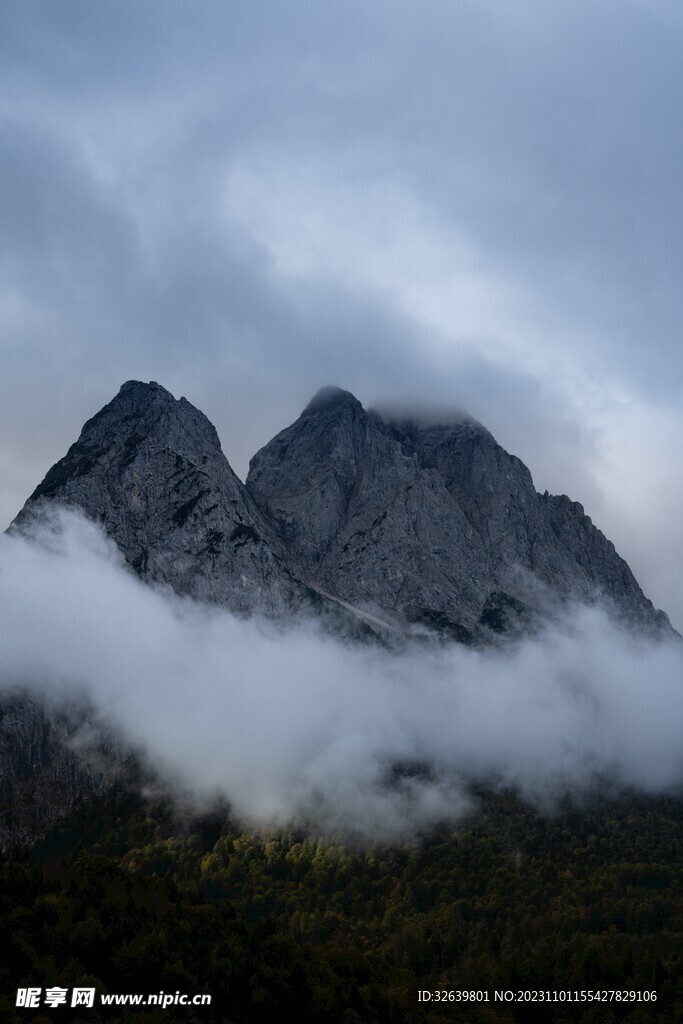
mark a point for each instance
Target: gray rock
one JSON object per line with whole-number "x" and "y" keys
{"x": 149, "y": 468}
{"x": 436, "y": 522}
{"x": 51, "y": 763}
{"x": 433, "y": 523}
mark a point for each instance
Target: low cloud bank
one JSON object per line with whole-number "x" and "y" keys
{"x": 296, "y": 725}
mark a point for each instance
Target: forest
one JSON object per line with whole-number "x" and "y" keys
{"x": 135, "y": 896}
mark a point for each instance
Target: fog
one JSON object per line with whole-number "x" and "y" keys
{"x": 292, "y": 725}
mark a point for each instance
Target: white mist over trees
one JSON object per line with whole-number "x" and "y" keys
{"x": 291, "y": 724}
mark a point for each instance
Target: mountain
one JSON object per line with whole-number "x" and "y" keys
{"x": 395, "y": 521}
{"x": 435, "y": 522}
{"x": 150, "y": 469}
{"x": 376, "y": 525}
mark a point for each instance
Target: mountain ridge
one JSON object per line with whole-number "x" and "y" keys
{"x": 433, "y": 522}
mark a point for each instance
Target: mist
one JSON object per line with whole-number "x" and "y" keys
{"x": 291, "y": 725}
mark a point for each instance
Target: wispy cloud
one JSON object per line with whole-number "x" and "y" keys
{"x": 290, "y": 724}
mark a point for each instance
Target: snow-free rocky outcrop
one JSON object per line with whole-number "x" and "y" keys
{"x": 403, "y": 521}
{"x": 52, "y": 763}
{"x": 150, "y": 470}
{"x": 373, "y": 524}
{"x": 432, "y": 522}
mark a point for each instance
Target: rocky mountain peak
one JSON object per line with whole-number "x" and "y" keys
{"x": 430, "y": 518}
{"x": 138, "y": 419}
{"x": 331, "y": 398}
{"x": 149, "y": 468}
{"x": 139, "y": 387}
{"x": 141, "y": 410}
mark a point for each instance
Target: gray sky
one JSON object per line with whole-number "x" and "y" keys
{"x": 466, "y": 203}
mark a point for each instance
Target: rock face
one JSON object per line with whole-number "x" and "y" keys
{"x": 149, "y": 468}
{"x": 435, "y": 522}
{"x": 51, "y": 763}
{"x": 430, "y": 523}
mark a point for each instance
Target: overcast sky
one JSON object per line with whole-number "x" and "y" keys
{"x": 473, "y": 204}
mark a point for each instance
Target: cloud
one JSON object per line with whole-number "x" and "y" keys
{"x": 473, "y": 203}
{"x": 291, "y": 724}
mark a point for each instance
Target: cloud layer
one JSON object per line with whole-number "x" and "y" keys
{"x": 474, "y": 204}
{"x": 290, "y": 724}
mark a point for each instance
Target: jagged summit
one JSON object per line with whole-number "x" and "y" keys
{"x": 431, "y": 520}
{"x": 328, "y": 398}
{"x": 145, "y": 393}
{"x": 140, "y": 387}
{"x": 126, "y": 428}
{"x": 420, "y": 521}
{"x": 149, "y": 468}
